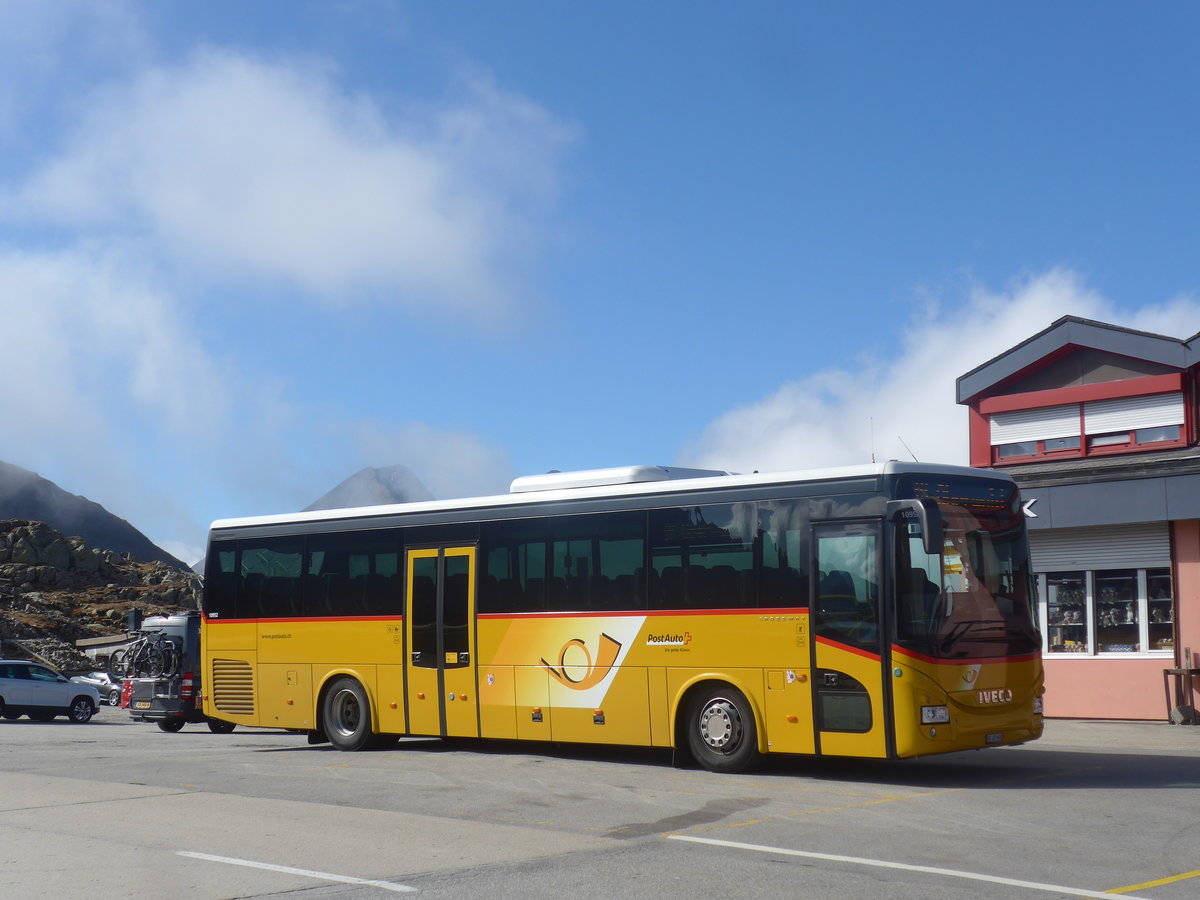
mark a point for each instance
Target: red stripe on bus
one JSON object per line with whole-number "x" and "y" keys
{"x": 649, "y": 613}
{"x": 304, "y": 619}
{"x": 781, "y": 611}
{"x": 913, "y": 654}
{"x": 867, "y": 654}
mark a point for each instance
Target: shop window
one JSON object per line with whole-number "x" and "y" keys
{"x": 1066, "y": 612}
{"x": 1108, "y": 611}
{"x": 1161, "y": 621}
{"x": 1117, "y": 608}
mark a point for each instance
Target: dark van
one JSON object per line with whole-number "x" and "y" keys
{"x": 161, "y": 668}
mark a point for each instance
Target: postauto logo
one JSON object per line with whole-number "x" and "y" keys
{"x": 674, "y": 639}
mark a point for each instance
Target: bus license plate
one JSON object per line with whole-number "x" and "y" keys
{"x": 142, "y": 704}
{"x": 994, "y": 739}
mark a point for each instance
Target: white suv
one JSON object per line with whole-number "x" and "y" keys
{"x": 31, "y": 689}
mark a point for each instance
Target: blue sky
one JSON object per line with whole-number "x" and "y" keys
{"x": 248, "y": 249}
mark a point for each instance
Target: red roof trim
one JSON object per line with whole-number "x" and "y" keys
{"x": 1105, "y": 390}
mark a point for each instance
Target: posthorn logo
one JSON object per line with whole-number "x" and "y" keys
{"x": 576, "y": 669}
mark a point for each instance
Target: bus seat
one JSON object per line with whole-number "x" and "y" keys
{"x": 726, "y": 587}
{"x": 379, "y": 596}
{"x": 699, "y": 588}
{"x": 837, "y": 592}
{"x": 671, "y": 581}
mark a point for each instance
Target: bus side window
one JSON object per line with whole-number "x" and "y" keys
{"x": 514, "y": 561}
{"x": 270, "y": 578}
{"x": 703, "y": 556}
{"x": 783, "y": 549}
{"x": 221, "y": 583}
{"x": 597, "y": 562}
{"x": 352, "y": 575}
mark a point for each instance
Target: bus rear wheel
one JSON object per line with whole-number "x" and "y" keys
{"x": 346, "y": 715}
{"x": 721, "y": 732}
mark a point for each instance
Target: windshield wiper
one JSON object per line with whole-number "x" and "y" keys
{"x": 959, "y": 631}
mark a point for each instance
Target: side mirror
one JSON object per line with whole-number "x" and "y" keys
{"x": 925, "y": 513}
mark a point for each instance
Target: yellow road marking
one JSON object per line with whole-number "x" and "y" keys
{"x": 1149, "y": 884}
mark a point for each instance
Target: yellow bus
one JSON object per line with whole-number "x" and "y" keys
{"x": 882, "y": 611}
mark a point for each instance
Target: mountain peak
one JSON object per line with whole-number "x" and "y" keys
{"x": 27, "y": 495}
{"x": 374, "y": 487}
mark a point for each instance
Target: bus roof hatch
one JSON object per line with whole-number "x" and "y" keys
{"x": 554, "y": 481}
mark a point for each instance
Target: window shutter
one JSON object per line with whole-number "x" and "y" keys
{"x": 1035, "y": 424}
{"x": 1129, "y": 413}
{"x": 1108, "y": 547}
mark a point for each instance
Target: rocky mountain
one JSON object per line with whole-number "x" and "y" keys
{"x": 56, "y": 590}
{"x": 26, "y": 495}
{"x": 374, "y": 487}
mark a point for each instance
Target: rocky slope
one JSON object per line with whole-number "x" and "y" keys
{"x": 55, "y": 590}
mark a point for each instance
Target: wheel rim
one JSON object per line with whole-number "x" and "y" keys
{"x": 82, "y": 711}
{"x": 721, "y": 725}
{"x": 347, "y": 712}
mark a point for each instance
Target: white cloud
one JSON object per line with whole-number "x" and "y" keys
{"x": 107, "y": 391}
{"x": 237, "y": 166}
{"x": 35, "y": 70}
{"x": 840, "y": 416}
{"x": 97, "y": 341}
{"x": 226, "y": 174}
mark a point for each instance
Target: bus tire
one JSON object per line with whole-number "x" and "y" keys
{"x": 346, "y": 715}
{"x": 721, "y": 733}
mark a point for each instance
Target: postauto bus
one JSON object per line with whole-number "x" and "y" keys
{"x": 882, "y": 611}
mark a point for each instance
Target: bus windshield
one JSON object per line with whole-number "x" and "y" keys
{"x": 971, "y": 600}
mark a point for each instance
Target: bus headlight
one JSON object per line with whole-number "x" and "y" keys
{"x": 1037, "y": 706}
{"x": 935, "y": 715}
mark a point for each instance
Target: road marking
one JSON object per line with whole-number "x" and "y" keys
{"x": 1145, "y": 884}
{"x": 306, "y": 873}
{"x": 883, "y": 864}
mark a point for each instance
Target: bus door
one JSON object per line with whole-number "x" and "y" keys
{"x": 440, "y": 628}
{"x": 849, "y": 653}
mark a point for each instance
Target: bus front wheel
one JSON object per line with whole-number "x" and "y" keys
{"x": 721, "y": 732}
{"x": 346, "y": 715}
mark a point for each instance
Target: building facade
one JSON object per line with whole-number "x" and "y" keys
{"x": 1100, "y": 428}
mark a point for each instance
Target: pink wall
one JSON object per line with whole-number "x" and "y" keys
{"x": 1185, "y": 538}
{"x": 1133, "y": 688}
{"x": 1106, "y": 688}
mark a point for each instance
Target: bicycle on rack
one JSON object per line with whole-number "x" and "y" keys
{"x": 152, "y": 655}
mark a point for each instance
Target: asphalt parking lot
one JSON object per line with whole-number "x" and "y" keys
{"x": 114, "y": 808}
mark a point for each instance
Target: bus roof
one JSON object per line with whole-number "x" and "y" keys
{"x": 590, "y": 485}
